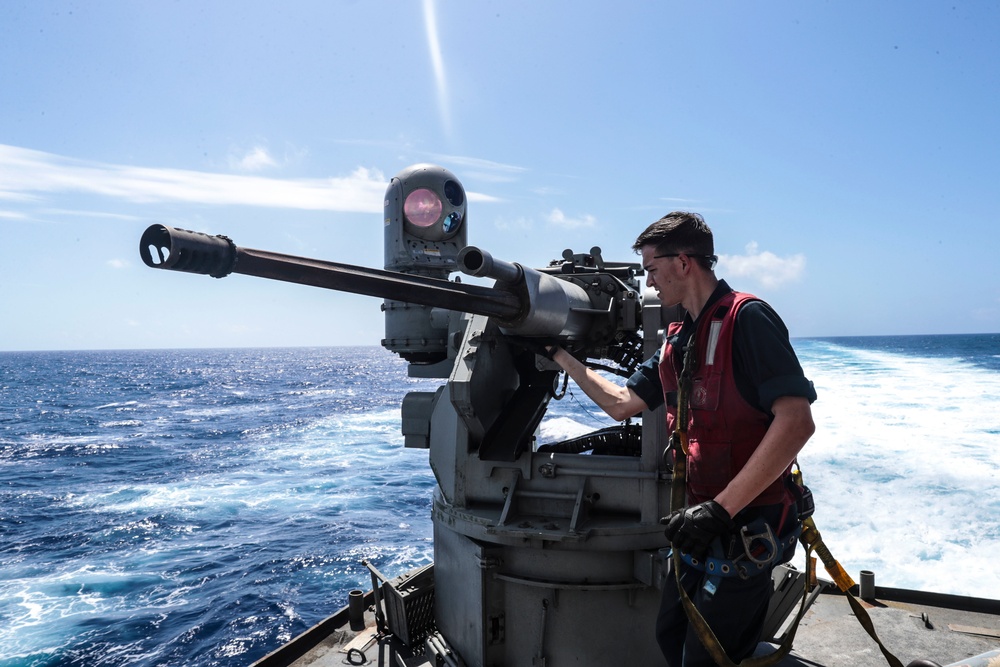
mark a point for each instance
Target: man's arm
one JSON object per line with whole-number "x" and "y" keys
{"x": 792, "y": 427}
{"x": 619, "y": 402}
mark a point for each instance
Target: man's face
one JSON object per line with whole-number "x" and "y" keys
{"x": 662, "y": 275}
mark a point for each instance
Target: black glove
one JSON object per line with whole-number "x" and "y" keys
{"x": 691, "y": 530}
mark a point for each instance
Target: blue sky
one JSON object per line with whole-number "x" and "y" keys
{"x": 846, "y": 154}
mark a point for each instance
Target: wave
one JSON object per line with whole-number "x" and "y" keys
{"x": 903, "y": 465}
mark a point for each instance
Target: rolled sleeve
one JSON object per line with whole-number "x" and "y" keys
{"x": 645, "y": 382}
{"x": 788, "y": 385}
{"x": 768, "y": 366}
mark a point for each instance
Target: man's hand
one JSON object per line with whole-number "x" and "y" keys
{"x": 691, "y": 530}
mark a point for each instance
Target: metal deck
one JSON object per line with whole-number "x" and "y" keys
{"x": 913, "y": 625}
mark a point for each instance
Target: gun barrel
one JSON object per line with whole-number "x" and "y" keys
{"x": 476, "y": 262}
{"x": 163, "y": 247}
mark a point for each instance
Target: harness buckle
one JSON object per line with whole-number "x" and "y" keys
{"x": 753, "y": 542}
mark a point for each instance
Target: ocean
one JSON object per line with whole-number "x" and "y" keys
{"x": 201, "y": 507}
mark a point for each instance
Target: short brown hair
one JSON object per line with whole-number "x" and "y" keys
{"x": 680, "y": 231}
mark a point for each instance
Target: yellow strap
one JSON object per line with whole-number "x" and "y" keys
{"x": 812, "y": 539}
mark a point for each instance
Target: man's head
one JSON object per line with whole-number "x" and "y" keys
{"x": 678, "y": 257}
{"x": 680, "y": 232}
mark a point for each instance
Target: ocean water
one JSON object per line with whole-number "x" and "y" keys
{"x": 201, "y": 507}
{"x": 905, "y": 463}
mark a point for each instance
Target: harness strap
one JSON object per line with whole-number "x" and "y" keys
{"x": 809, "y": 536}
{"x": 679, "y": 438}
{"x": 711, "y": 642}
{"x": 747, "y": 564}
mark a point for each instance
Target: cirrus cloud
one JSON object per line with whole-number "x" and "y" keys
{"x": 29, "y": 175}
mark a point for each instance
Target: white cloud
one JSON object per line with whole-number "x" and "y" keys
{"x": 25, "y": 172}
{"x": 765, "y": 267}
{"x": 483, "y": 170}
{"x": 119, "y": 263}
{"x": 256, "y": 159}
{"x": 6, "y": 195}
{"x": 559, "y": 219}
{"x": 13, "y": 215}
{"x": 481, "y": 163}
{"x": 89, "y": 214}
{"x": 479, "y": 198}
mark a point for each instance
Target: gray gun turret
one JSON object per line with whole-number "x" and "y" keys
{"x": 530, "y": 542}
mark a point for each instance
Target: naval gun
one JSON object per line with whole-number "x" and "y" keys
{"x": 533, "y": 545}
{"x": 587, "y": 305}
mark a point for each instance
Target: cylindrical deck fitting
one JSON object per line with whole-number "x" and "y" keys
{"x": 356, "y": 608}
{"x": 866, "y": 589}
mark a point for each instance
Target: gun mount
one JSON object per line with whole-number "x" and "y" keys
{"x": 529, "y": 541}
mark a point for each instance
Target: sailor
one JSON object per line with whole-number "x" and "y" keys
{"x": 749, "y": 416}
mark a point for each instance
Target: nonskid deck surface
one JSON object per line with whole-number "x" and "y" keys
{"x": 829, "y": 636}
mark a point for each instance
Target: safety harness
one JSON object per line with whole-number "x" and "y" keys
{"x": 757, "y": 560}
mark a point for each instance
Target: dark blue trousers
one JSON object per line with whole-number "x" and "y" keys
{"x": 735, "y": 611}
